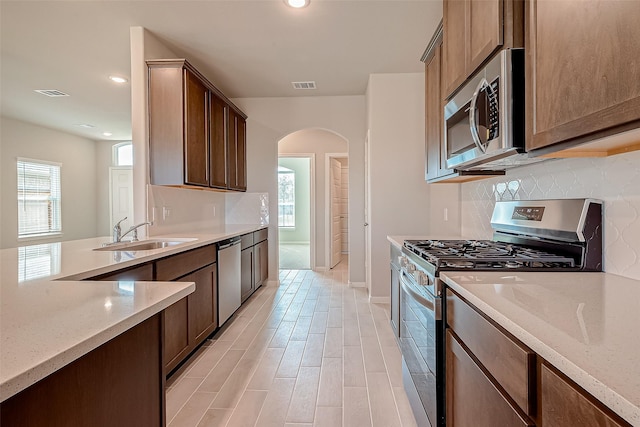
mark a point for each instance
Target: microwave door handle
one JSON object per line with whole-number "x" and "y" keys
{"x": 472, "y": 115}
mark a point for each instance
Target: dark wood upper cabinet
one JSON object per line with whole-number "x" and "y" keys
{"x": 473, "y": 31}
{"x": 218, "y": 111}
{"x": 581, "y": 80}
{"x": 236, "y": 160}
{"x": 436, "y": 162}
{"x": 196, "y": 123}
{"x": 196, "y": 135}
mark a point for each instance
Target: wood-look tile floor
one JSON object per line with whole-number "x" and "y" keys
{"x": 309, "y": 352}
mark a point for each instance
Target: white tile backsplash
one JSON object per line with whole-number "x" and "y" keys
{"x": 614, "y": 179}
{"x": 180, "y": 210}
{"x": 247, "y": 208}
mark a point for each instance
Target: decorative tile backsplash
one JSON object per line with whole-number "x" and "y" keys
{"x": 614, "y": 179}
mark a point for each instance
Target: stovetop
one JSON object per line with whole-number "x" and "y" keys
{"x": 485, "y": 255}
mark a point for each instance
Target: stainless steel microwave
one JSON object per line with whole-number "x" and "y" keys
{"x": 484, "y": 121}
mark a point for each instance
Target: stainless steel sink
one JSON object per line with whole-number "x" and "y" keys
{"x": 144, "y": 245}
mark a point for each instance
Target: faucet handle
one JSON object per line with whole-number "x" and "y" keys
{"x": 118, "y": 223}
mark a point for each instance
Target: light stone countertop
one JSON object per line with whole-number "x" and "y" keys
{"x": 585, "y": 324}
{"x": 49, "y": 318}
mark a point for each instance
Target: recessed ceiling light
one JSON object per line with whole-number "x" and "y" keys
{"x": 298, "y": 4}
{"x": 107, "y": 133}
{"x": 84, "y": 125}
{"x": 118, "y": 79}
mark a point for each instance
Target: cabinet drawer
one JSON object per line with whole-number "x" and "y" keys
{"x": 246, "y": 240}
{"x": 564, "y": 405}
{"x": 472, "y": 398}
{"x": 176, "y": 266}
{"x": 260, "y": 235}
{"x": 509, "y": 362}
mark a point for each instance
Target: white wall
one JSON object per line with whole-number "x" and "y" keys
{"x": 400, "y": 202}
{"x": 612, "y": 179}
{"x": 320, "y": 142}
{"x": 271, "y": 119}
{"x": 78, "y": 178}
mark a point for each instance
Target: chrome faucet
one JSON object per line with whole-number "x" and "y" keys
{"x": 134, "y": 229}
{"x": 117, "y": 231}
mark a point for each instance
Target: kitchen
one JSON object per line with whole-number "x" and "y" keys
{"x": 466, "y": 208}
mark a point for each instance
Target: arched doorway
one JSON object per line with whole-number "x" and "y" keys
{"x": 324, "y": 188}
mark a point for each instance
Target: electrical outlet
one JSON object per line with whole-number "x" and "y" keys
{"x": 166, "y": 212}
{"x": 446, "y": 214}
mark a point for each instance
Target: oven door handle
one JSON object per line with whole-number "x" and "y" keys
{"x": 429, "y": 304}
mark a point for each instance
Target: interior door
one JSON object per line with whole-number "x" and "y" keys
{"x": 121, "y": 192}
{"x": 336, "y": 232}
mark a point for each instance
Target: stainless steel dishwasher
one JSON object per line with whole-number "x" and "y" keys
{"x": 228, "y": 278}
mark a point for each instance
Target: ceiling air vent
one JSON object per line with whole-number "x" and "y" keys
{"x": 304, "y": 85}
{"x": 51, "y": 92}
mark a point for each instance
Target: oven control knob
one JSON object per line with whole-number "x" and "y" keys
{"x": 402, "y": 260}
{"x": 411, "y": 267}
{"x": 423, "y": 279}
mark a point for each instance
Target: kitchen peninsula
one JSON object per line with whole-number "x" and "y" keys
{"x": 74, "y": 349}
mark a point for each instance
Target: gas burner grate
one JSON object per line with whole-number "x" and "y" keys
{"x": 486, "y": 255}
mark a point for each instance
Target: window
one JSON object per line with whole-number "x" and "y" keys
{"x": 286, "y": 197}
{"x": 123, "y": 154}
{"x": 38, "y": 198}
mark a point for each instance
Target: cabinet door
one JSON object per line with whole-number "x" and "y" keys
{"x": 218, "y": 142}
{"x": 436, "y": 157}
{"x": 454, "y": 21}
{"x": 563, "y": 405}
{"x": 176, "y": 334}
{"x": 472, "y": 398}
{"x": 196, "y": 138}
{"x": 261, "y": 271}
{"x": 581, "y": 81}
{"x": 241, "y": 154}
{"x": 246, "y": 273}
{"x": 485, "y": 31}
{"x": 232, "y": 170}
{"x": 202, "y": 303}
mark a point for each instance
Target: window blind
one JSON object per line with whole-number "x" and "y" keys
{"x": 39, "y": 207}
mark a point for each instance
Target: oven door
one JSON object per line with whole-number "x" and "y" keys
{"x": 421, "y": 347}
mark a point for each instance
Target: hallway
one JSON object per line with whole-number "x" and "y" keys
{"x": 311, "y": 351}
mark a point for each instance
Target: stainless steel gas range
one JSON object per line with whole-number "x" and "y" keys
{"x": 535, "y": 235}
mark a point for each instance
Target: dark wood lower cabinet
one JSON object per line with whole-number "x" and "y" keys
{"x": 203, "y": 315}
{"x": 246, "y": 273}
{"x": 120, "y": 383}
{"x": 261, "y": 255}
{"x": 176, "y": 334}
{"x": 564, "y": 405}
{"x": 472, "y": 398}
{"x": 493, "y": 379}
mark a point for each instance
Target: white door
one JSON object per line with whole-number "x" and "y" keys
{"x": 336, "y": 229}
{"x": 121, "y": 192}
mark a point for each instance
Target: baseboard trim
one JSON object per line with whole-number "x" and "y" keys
{"x": 379, "y": 300}
{"x": 272, "y": 283}
{"x": 357, "y": 284}
{"x": 321, "y": 269}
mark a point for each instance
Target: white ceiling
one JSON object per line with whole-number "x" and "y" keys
{"x": 246, "y": 48}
